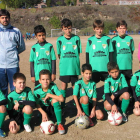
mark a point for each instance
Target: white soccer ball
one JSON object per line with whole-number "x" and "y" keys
{"x": 82, "y": 122}
{"x": 115, "y": 118}
{"x": 47, "y": 127}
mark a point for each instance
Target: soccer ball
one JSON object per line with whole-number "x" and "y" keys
{"x": 47, "y": 127}
{"x": 82, "y": 122}
{"x": 115, "y": 118}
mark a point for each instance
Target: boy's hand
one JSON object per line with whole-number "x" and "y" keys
{"x": 80, "y": 113}
{"x": 53, "y": 77}
{"x": 92, "y": 114}
{"x": 114, "y": 108}
{"x": 13, "y": 125}
{"x": 33, "y": 79}
{"x": 47, "y": 97}
{"x": 16, "y": 106}
{"x": 137, "y": 104}
{"x": 44, "y": 117}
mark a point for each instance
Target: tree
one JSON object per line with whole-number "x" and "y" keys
{"x": 68, "y": 2}
{"x": 48, "y": 3}
{"x": 99, "y": 1}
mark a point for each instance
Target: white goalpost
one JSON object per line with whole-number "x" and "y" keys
{"x": 58, "y": 32}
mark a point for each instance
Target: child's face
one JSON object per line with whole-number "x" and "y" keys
{"x": 98, "y": 31}
{"x": 121, "y": 30}
{"x": 41, "y": 37}
{"x": 45, "y": 81}
{"x": 114, "y": 73}
{"x": 67, "y": 30}
{"x": 86, "y": 75}
{"x": 19, "y": 85}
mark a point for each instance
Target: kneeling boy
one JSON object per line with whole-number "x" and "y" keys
{"x": 116, "y": 91}
{"x": 85, "y": 95}
{"x": 20, "y": 104}
{"x": 47, "y": 98}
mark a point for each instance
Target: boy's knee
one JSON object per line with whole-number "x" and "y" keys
{"x": 27, "y": 109}
{"x": 136, "y": 112}
{"x": 126, "y": 95}
{"x": 84, "y": 99}
{"x": 53, "y": 101}
{"x": 2, "y": 109}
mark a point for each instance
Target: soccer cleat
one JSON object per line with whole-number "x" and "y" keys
{"x": 124, "y": 117}
{"x": 27, "y": 128}
{"x": 90, "y": 122}
{"x": 61, "y": 129}
{"x": 2, "y": 133}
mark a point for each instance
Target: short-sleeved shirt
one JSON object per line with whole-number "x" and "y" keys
{"x": 135, "y": 82}
{"x": 82, "y": 89}
{"x": 99, "y": 49}
{"x": 40, "y": 94}
{"x": 42, "y": 57}
{"x": 2, "y": 97}
{"x": 113, "y": 85}
{"x": 14, "y": 97}
{"x": 69, "y": 50}
{"x": 123, "y": 48}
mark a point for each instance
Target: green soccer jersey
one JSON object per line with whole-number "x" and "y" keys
{"x": 40, "y": 94}
{"x": 2, "y": 97}
{"x": 98, "y": 49}
{"x": 81, "y": 89}
{"x": 135, "y": 82}
{"x": 14, "y": 97}
{"x": 123, "y": 48}
{"x": 113, "y": 85}
{"x": 42, "y": 57}
{"x": 69, "y": 50}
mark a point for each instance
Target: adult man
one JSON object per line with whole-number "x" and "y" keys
{"x": 11, "y": 44}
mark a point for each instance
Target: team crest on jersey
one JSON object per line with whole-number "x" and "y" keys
{"x": 23, "y": 98}
{"x": 47, "y": 52}
{"x": 74, "y": 47}
{"x": 118, "y": 44}
{"x": 93, "y": 46}
{"x": 138, "y": 82}
{"x": 15, "y": 101}
{"x": 36, "y": 54}
{"x": 64, "y": 47}
{"x": 104, "y": 45}
{"x": 128, "y": 43}
{"x": 112, "y": 88}
{"x": 83, "y": 91}
{"x": 90, "y": 91}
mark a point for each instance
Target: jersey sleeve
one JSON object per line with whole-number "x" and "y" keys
{"x": 58, "y": 46}
{"x": 106, "y": 87}
{"x": 2, "y": 97}
{"x": 32, "y": 55}
{"x": 110, "y": 46}
{"x": 133, "y": 82}
{"x": 56, "y": 90}
{"x": 37, "y": 100}
{"x": 132, "y": 45}
{"x": 79, "y": 45}
{"x": 87, "y": 47}
{"x": 76, "y": 89}
{"x": 10, "y": 103}
{"x": 31, "y": 96}
{"x": 94, "y": 92}
{"x": 53, "y": 57}
{"x": 124, "y": 83}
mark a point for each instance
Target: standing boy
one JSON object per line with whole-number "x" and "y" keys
{"x": 42, "y": 56}
{"x": 47, "y": 98}
{"x": 68, "y": 50}
{"x": 123, "y": 50}
{"x": 21, "y": 102}
{"x": 99, "y": 52}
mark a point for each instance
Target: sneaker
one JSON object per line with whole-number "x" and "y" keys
{"x": 90, "y": 122}
{"x": 108, "y": 112}
{"x": 27, "y": 128}
{"x": 124, "y": 117}
{"x": 61, "y": 129}
{"x": 2, "y": 133}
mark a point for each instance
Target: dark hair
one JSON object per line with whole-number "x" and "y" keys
{"x": 86, "y": 67}
{"x": 122, "y": 22}
{"x": 4, "y": 12}
{"x": 112, "y": 65}
{"x": 66, "y": 23}
{"x": 44, "y": 72}
{"x": 39, "y": 29}
{"x": 98, "y": 23}
{"x": 19, "y": 76}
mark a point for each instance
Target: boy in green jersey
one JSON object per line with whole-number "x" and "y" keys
{"x": 85, "y": 95}
{"x": 116, "y": 91}
{"x": 123, "y": 50}
{"x": 20, "y": 106}
{"x": 3, "y": 102}
{"x": 47, "y": 98}
{"x": 42, "y": 56}
{"x": 68, "y": 50}
{"x": 99, "y": 52}
{"x": 135, "y": 86}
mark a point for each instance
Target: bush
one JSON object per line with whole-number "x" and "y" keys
{"x": 55, "y": 22}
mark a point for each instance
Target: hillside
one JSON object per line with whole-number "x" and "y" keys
{"x": 82, "y": 17}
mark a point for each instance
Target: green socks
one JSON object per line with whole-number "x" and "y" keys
{"x": 58, "y": 112}
{"x": 125, "y": 104}
{"x": 27, "y": 118}
{"x": 2, "y": 118}
{"x": 85, "y": 108}
{"x": 64, "y": 95}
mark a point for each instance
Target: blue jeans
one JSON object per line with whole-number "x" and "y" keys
{"x": 6, "y": 76}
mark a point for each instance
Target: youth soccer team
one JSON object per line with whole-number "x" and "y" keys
{"x": 108, "y": 60}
